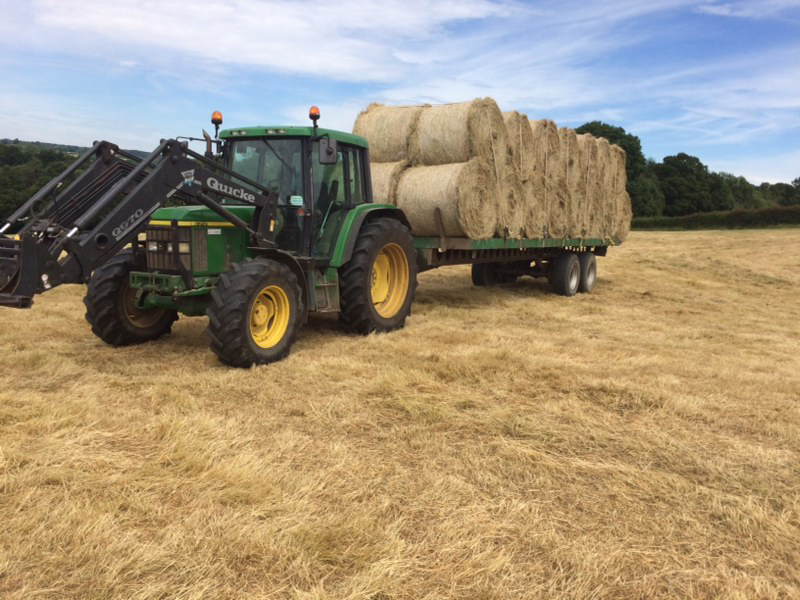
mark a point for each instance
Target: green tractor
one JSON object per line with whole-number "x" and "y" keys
{"x": 269, "y": 225}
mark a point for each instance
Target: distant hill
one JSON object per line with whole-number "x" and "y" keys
{"x": 65, "y": 148}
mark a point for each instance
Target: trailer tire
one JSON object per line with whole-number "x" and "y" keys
{"x": 565, "y": 274}
{"x": 482, "y": 275}
{"x": 111, "y": 307}
{"x": 377, "y": 284}
{"x": 588, "y": 271}
{"x": 254, "y": 313}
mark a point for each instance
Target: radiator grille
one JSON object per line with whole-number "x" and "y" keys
{"x": 200, "y": 249}
{"x": 160, "y": 255}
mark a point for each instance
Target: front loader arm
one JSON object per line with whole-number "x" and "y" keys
{"x": 64, "y": 237}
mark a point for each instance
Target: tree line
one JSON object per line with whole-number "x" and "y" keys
{"x": 678, "y": 185}
{"x": 25, "y": 168}
{"x": 682, "y": 185}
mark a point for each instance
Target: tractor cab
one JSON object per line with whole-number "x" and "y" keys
{"x": 318, "y": 175}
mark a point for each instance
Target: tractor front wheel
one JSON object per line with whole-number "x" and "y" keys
{"x": 377, "y": 284}
{"x": 254, "y": 313}
{"x": 112, "y": 310}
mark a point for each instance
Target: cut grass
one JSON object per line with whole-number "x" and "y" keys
{"x": 640, "y": 441}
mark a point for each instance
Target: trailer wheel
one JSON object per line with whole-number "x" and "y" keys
{"x": 111, "y": 307}
{"x": 588, "y": 271}
{"x": 482, "y": 275}
{"x": 254, "y": 313}
{"x": 377, "y": 284}
{"x": 565, "y": 274}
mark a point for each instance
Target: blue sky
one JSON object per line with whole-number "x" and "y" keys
{"x": 717, "y": 79}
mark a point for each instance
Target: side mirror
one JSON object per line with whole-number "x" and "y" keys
{"x": 328, "y": 151}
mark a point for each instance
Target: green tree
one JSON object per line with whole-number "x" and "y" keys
{"x": 24, "y": 169}
{"x": 647, "y": 199}
{"x": 686, "y": 184}
{"x": 784, "y": 194}
{"x": 721, "y": 193}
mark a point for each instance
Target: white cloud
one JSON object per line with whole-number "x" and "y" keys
{"x": 748, "y": 9}
{"x": 557, "y": 60}
{"x": 346, "y": 40}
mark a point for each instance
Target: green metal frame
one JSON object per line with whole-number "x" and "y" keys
{"x": 449, "y": 243}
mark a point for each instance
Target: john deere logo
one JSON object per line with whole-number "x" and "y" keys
{"x": 188, "y": 177}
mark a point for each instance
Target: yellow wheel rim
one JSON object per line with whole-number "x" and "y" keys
{"x": 269, "y": 316}
{"x": 389, "y": 287}
{"x": 137, "y": 317}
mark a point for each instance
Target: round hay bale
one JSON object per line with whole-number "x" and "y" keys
{"x": 622, "y": 208}
{"x": 604, "y": 203}
{"x": 626, "y": 214}
{"x": 587, "y": 147}
{"x": 389, "y": 130}
{"x": 557, "y": 193}
{"x": 455, "y": 133}
{"x": 546, "y": 148}
{"x": 385, "y": 177}
{"x": 572, "y": 162}
{"x": 520, "y": 141}
{"x": 510, "y": 201}
{"x": 463, "y": 192}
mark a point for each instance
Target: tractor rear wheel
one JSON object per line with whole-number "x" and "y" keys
{"x": 565, "y": 274}
{"x": 112, "y": 311}
{"x": 377, "y": 284}
{"x": 254, "y": 313}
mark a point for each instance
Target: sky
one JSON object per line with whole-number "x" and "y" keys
{"x": 716, "y": 79}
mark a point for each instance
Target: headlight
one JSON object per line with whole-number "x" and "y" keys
{"x": 152, "y": 246}
{"x": 183, "y": 247}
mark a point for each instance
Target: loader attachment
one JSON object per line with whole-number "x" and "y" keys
{"x": 100, "y": 204}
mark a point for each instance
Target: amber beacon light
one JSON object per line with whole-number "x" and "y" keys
{"x": 216, "y": 120}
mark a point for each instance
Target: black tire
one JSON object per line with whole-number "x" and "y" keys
{"x": 482, "y": 275}
{"x": 588, "y": 272}
{"x": 380, "y": 242}
{"x": 254, "y": 313}
{"x": 111, "y": 309}
{"x": 565, "y": 274}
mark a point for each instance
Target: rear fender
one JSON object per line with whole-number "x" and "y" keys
{"x": 351, "y": 226}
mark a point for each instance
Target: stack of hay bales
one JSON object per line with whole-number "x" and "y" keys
{"x": 494, "y": 174}
{"x": 454, "y": 157}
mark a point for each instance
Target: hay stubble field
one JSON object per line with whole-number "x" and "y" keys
{"x": 641, "y": 441}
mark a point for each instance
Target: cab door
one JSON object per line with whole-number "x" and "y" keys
{"x": 336, "y": 189}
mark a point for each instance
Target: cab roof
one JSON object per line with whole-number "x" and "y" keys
{"x": 284, "y": 131}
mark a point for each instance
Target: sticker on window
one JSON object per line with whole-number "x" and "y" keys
{"x": 296, "y": 200}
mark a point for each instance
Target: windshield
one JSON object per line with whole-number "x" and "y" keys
{"x": 275, "y": 163}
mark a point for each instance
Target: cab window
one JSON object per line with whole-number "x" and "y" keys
{"x": 356, "y": 172}
{"x": 273, "y": 163}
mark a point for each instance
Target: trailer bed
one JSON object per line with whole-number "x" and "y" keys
{"x": 436, "y": 252}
